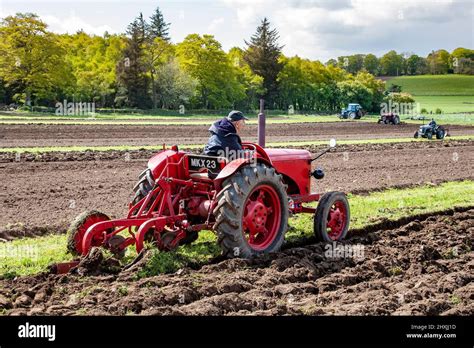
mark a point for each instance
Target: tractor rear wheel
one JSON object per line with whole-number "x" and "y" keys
{"x": 78, "y": 229}
{"x": 331, "y": 220}
{"x": 429, "y": 135}
{"x": 252, "y": 212}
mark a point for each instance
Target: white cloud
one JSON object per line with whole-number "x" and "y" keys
{"x": 323, "y": 29}
{"x": 72, "y": 24}
{"x": 215, "y": 23}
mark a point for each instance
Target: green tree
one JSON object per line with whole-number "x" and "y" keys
{"x": 252, "y": 83}
{"x": 332, "y": 62}
{"x": 438, "y": 62}
{"x": 352, "y": 91}
{"x": 415, "y": 65}
{"x": 371, "y": 64}
{"x": 174, "y": 86}
{"x": 158, "y": 28}
{"x": 391, "y": 64}
{"x": 156, "y": 52}
{"x": 203, "y": 58}
{"x": 93, "y": 60}
{"x": 376, "y": 88}
{"x": 352, "y": 64}
{"x": 132, "y": 69}
{"x": 31, "y": 58}
{"x": 262, "y": 55}
{"x": 462, "y": 61}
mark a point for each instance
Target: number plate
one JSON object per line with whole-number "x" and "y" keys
{"x": 195, "y": 163}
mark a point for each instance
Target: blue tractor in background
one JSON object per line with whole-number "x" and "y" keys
{"x": 354, "y": 111}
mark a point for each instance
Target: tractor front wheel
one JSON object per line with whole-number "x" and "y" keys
{"x": 143, "y": 186}
{"x": 331, "y": 221}
{"x": 252, "y": 212}
{"x": 440, "y": 134}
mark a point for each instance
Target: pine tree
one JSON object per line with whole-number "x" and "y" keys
{"x": 131, "y": 71}
{"x": 158, "y": 27}
{"x": 262, "y": 55}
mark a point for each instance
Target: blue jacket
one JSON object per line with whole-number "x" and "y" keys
{"x": 223, "y": 137}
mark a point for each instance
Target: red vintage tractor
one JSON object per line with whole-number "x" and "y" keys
{"x": 247, "y": 204}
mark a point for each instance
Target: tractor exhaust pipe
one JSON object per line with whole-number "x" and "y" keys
{"x": 261, "y": 124}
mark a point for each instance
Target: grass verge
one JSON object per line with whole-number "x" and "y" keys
{"x": 31, "y": 255}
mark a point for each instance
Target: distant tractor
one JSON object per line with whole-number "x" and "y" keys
{"x": 430, "y": 129}
{"x": 389, "y": 118}
{"x": 353, "y": 111}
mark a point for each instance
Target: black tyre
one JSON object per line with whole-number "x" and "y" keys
{"x": 143, "y": 186}
{"x": 429, "y": 135}
{"x": 353, "y": 115}
{"x": 440, "y": 133}
{"x": 252, "y": 212}
{"x": 415, "y": 135}
{"x": 396, "y": 120}
{"x": 331, "y": 220}
{"x": 78, "y": 228}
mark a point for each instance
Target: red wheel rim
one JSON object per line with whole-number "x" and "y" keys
{"x": 97, "y": 240}
{"x": 261, "y": 217}
{"x": 336, "y": 220}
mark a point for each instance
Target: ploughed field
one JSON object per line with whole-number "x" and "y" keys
{"x": 418, "y": 265}
{"x": 408, "y": 269}
{"x": 45, "y": 135}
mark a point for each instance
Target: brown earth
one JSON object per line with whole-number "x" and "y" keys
{"x": 42, "y": 193}
{"x": 424, "y": 267}
{"x": 29, "y": 135}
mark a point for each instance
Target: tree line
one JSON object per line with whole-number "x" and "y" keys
{"x": 459, "y": 61}
{"x": 143, "y": 69}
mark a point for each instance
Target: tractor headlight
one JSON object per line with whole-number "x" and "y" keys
{"x": 318, "y": 173}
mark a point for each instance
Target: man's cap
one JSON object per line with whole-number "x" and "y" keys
{"x": 236, "y": 115}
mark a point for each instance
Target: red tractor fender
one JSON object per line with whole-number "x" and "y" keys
{"x": 231, "y": 167}
{"x": 234, "y": 166}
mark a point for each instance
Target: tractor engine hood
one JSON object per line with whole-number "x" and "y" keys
{"x": 278, "y": 155}
{"x": 295, "y": 165}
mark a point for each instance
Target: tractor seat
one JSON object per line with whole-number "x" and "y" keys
{"x": 202, "y": 176}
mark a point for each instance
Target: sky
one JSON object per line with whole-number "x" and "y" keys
{"x": 314, "y": 29}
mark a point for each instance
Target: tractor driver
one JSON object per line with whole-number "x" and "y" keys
{"x": 225, "y": 140}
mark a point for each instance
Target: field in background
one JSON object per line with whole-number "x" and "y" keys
{"x": 447, "y": 85}
{"x": 450, "y": 93}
